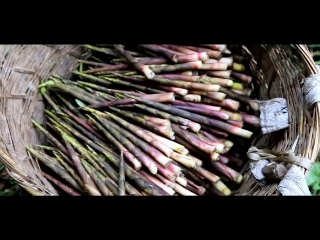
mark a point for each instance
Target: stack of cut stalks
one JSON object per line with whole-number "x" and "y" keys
{"x": 149, "y": 120}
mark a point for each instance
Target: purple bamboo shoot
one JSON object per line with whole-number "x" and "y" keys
{"x": 195, "y": 127}
{"x": 138, "y": 65}
{"x": 123, "y": 134}
{"x": 197, "y": 160}
{"x": 180, "y": 49}
{"x": 176, "y": 90}
{"x": 183, "y": 159}
{"x": 156, "y": 181}
{"x": 196, "y": 105}
{"x": 226, "y": 103}
{"x": 216, "y": 47}
{"x": 235, "y": 123}
{"x": 175, "y": 169}
{"x": 211, "y": 53}
{"x": 220, "y": 81}
{"x": 163, "y": 130}
{"x": 228, "y": 172}
{"x": 193, "y": 139}
{"x": 214, "y": 131}
{"x": 191, "y": 98}
{"x": 214, "y": 66}
{"x": 206, "y": 174}
{"x": 220, "y": 74}
{"x": 140, "y": 133}
{"x": 241, "y": 76}
{"x": 233, "y": 115}
{"x": 171, "y": 144}
{"x": 180, "y": 77}
{"x": 250, "y": 119}
{"x": 206, "y": 112}
{"x": 212, "y": 95}
{"x": 162, "y": 97}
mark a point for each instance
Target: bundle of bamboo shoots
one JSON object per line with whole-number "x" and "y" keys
{"x": 148, "y": 120}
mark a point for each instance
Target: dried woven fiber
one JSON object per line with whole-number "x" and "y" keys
{"x": 280, "y": 71}
{"x": 21, "y": 69}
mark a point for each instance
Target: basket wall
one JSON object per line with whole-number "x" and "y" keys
{"x": 21, "y": 69}
{"x": 280, "y": 71}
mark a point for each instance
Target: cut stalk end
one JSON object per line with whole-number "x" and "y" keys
{"x": 230, "y": 83}
{"x": 147, "y": 72}
{"x": 214, "y": 156}
{"x": 183, "y": 182}
{"x": 237, "y": 86}
{"x": 203, "y": 56}
{"x": 254, "y": 105}
{"x": 239, "y": 179}
{"x": 238, "y": 67}
{"x": 184, "y": 151}
{"x": 222, "y": 188}
{"x": 153, "y": 169}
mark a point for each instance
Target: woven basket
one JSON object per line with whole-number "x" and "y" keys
{"x": 21, "y": 69}
{"x": 279, "y": 69}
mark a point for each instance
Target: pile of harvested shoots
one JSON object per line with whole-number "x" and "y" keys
{"x": 149, "y": 120}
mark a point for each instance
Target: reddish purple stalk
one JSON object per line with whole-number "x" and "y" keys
{"x": 211, "y": 53}
{"x": 241, "y": 98}
{"x": 84, "y": 124}
{"x": 250, "y": 119}
{"x": 203, "y": 56}
{"x": 241, "y": 76}
{"x": 176, "y": 90}
{"x": 180, "y": 49}
{"x": 227, "y": 171}
{"x": 121, "y": 66}
{"x": 214, "y": 131}
{"x": 210, "y": 136}
{"x": 196, "y": 105}
{"x": 206, "y": 112}
{"x": 167, "y": 173}
{"x": 206, "y": 174}
{"x": 219, "y": 147}
{"x": 195, "y": 188}
{"x": 180, "y": 77}
{"x": 175, "y": 169}
{"x": 154, "y": 61}
{"x": 214, "y": 66}
{"x": 191, "y": 98}
{"x": 214, "y": 80}
{"x": 237, "y": 161}
{"x": 193, "y": 139}
{"x": 226, "y": 103}
{"x": 235, "y": 123}
{"x": 170, "y": 54}
{"x": 216, "y": 47}
{"x": 220, "y": 74}
{"x": 138, "y": 65}
{"x": 162, "y": 97}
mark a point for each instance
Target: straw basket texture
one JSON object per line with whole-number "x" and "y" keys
{"x": 279, "y": 70}
{"x": 21, "y": 69}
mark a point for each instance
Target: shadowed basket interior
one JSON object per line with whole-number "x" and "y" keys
{"x": 278, "y": 69}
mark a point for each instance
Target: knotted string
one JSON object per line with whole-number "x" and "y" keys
{"x": 283, "y": 156}
{"x": 294, "y": 182}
